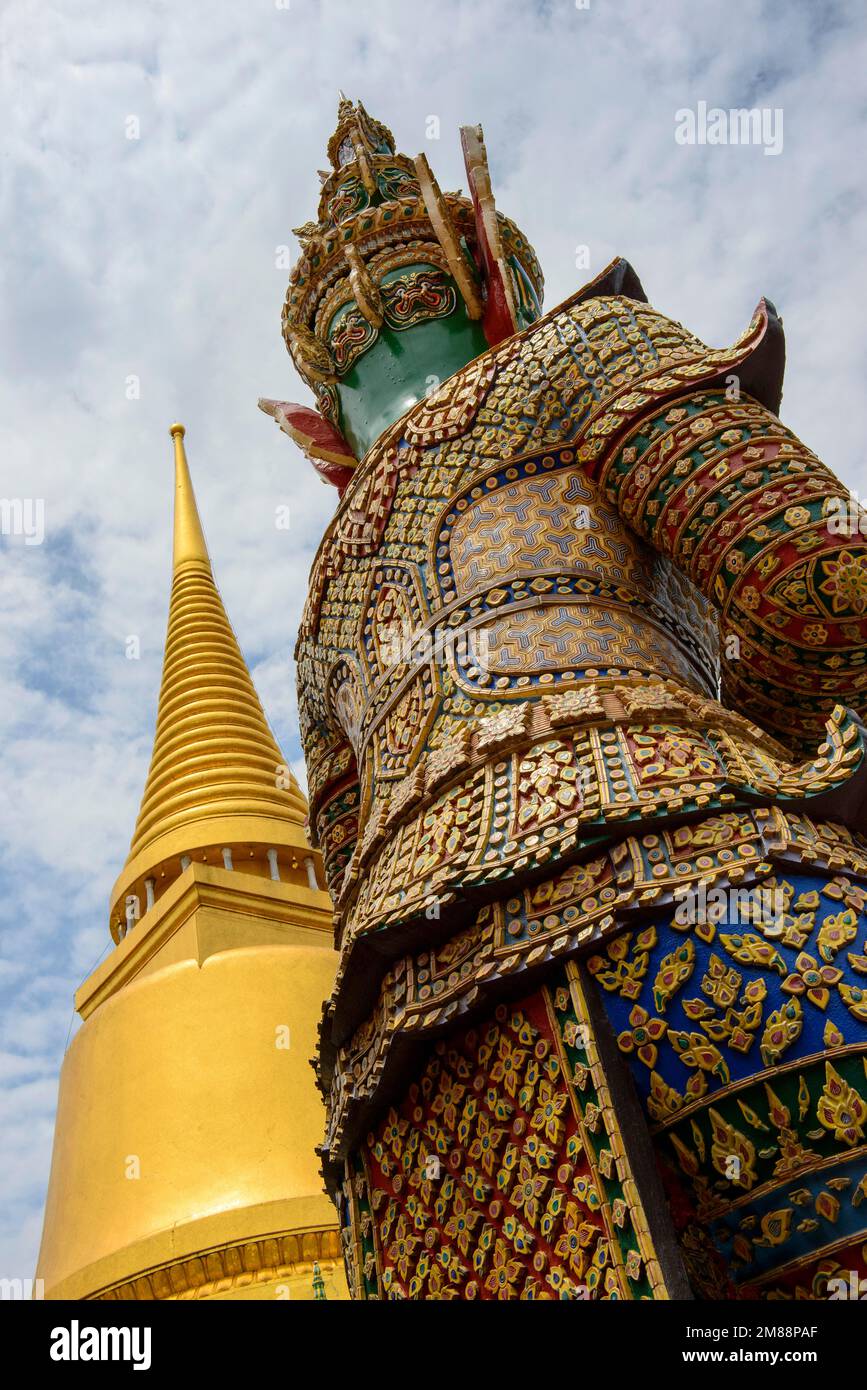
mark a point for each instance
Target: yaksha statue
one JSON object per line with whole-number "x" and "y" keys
{"x": 580, "y": 674}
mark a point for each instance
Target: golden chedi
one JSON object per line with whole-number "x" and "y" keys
{"x": 184, "y": 1156}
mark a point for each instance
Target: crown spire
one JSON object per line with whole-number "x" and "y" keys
{"x": 357, "y": 136}
{"x": 217, "y": 778}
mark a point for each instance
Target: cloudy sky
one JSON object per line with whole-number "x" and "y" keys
{"x": 156, "y": 258}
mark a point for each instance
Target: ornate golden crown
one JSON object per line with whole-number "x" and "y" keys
{"x": 377, "y": 210}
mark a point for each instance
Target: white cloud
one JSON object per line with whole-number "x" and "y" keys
{"x": 155, "y": 258}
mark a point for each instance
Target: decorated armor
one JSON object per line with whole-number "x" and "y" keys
{"x": 580, "y": 674}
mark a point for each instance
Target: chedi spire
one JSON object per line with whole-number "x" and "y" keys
{"x": 217, "y": 780}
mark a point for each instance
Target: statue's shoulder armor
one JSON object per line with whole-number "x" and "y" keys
{"x": 579, "y": 376}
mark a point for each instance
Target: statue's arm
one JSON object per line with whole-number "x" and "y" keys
{"x": 765, "y": 530}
